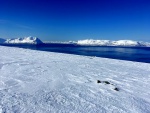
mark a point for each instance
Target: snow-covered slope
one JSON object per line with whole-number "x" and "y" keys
{"x": 112, "y": 43}
{"x": 44, "y": 82}
{"x": 93, "y": 42}
{"x": 125, "y": 43}
{"x": 59, "y": 42}
{"x": 28, "y": 40}
{"x": 2, "y": 40}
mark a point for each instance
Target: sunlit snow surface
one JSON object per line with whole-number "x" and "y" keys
{"x": 25, "y": 40}
{"x": 44, "y": 82}
{"x": 112, "y": 43}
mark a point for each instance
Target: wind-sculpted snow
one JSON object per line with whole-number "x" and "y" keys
{"x": 26, "y": 40}
{"x": 112, "y": 43}
{"x": 45, "y": 82}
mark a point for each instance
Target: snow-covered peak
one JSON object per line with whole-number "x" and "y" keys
{"x": 2, "y": 40}
{"x": 27, "y": 40}
{"x": 93, "y": 42}
{"x": 125, "y": 43}
{"x": 112, "y": 43}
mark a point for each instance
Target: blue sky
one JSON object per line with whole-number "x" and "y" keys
{"x": 63, "y": 20}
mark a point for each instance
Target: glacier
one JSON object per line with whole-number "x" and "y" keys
{"x": 45, "y": 82}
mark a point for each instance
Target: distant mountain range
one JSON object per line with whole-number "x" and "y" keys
{"x": 87, "y": 42}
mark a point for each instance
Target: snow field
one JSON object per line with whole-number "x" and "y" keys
{"x": 43, "y": 82}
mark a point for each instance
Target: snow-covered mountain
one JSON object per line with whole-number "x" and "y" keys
{"x": 60, "y": 42}
{"x": 26, "y": 40}
{"x": 93, "y": 42}
{"x": 112, "y": 43}
{"x": 87, "y": 42}
{"x": 2, "y": 40}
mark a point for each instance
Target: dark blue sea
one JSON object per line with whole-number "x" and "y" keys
{"x": 138, "y": 54}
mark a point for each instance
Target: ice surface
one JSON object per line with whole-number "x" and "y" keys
{"x": 46, "y": 82}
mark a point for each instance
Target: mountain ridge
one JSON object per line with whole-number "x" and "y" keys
{"x": 25, "y": 40}
{"x": 91, "y": 42}
{"x": 86, "y": 42}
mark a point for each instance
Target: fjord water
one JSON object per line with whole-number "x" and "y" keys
{"x": 139, "y": 54}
